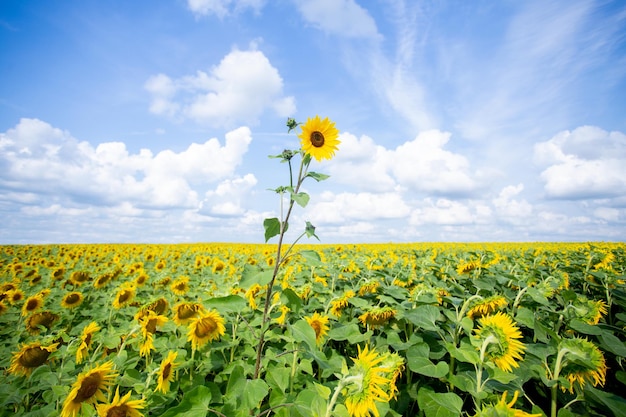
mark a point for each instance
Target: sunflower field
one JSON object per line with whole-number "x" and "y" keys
{"x": 352, "y": 330}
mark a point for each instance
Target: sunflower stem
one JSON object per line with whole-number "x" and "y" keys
{"x": 555, "y": 378}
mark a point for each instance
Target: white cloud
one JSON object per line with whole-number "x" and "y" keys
{"x": 514, "y": 211}
{"x": 222, "y": 8}
{"x": 238, "y": 90}
{"x": 227, "y": 198}
{"x": 422, "y": 164}
{"x": 449, "y": 212}
{"x": 338, "y": 17}
{"x": 587, "y": 162}
{"x": 349, "y": 207}
{"x": 39, "y": 159}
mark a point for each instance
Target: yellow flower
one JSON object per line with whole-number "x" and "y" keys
{"x": 319, "y": 138}
{"x": 79, "y": 277}
{"x": 72, "y": 299}
{"x": 121, "y": 407}
{"x": 251, "y": 294}
{"x": 370, "y": 287}
{"x": 32, "y": 304}
{"x": 283, "y": 315}
{"x": 504, "y": 409}
{"x": 29, "y": 357}
{"x": 377, "y": 316}
{"x": 180, "y": 286}
{"x": 204, "y": 328}
{"x": 85, "y": 341}
{"x": 582, "y": 361}
{"x": 124, "y": 296}
{"x": 166, "y": 372}
{"x": 368, "y": 382}
{"x": 184, "y": 312}
{"x": 467, "y": 267}
{"x": 89, "y": 388}
{"x": 159, "y": 306}
{"x": 146, "y": 345}
{"x": 487, "y": 306}
{"x": 337, "y": 306}
{"x": 497, "y": 338}
{"x": 319, "y": 324}
{"x": 150, "y": 321}
{"x": 394, "y": 364}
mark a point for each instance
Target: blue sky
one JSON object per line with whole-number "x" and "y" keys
{"x": 151, "y": 121}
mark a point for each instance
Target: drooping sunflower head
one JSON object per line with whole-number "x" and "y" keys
{"x": 467, "y": 267}
{"x": 79, "y": 277}
{"x": 29, "y": 357}
{"x": 121, "y": 406}
{"x": 89, "y": 387}
{"x": 184, "y": 312}
{"x": 283, "y": 315}
{"x": 319, "y": 138}
{"x": 337, "y": 306}
{"x": 204, "y": 328}
{"x": 166, "y": 372}
{"x": 85, "y": 341}
{"x": 41, "y": 319}
{"x": 497, "y": 338}
{"x": 369, "y": 384}
{"x": 487, "y": 306}
{"x": 589, "y": 311}
{"x": 319, "y": 323}
{"x": 503, "y": 409}
{"x": 72, "y": 299}
{"x": 124, "y": 296}
{"x": 251, "y": 294}
{"x": 582, "y": 362}
{"x": 377, "y": 316}
{"x": 150, "y": 321}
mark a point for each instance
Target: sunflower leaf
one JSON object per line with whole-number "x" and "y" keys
{"x": 435, "y": 404}
{"x": 272, "y": 228}
{"x": 301, "y": 198}
{"x": 317, "y": 176}
{"x": 195, "y": 403}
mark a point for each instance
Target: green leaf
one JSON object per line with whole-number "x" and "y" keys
{"x": 425, "y": 316}
{"x": 291, "y": 299}
{"x": 418, "y": 362}
{"x": 311, "y": 256}
{"x": 435, "y": 404}
{"x": 303, "y": 332}
{"x": 584, "y": 328}
{"x": 278, "y": 378}
{"x": 252, "y": 393}
{"x": 317, "y": 176}
{"x": 301, "y": 198}
{"x": 606, "y": 400}
{"x": 610, "y": 342}
{"x": 195, "y": 403}
{"x": 253, "y": 274}
{"x": 272, "y": 228}
{"x": 310, "y": 230}
{"x": 227, "y": 304}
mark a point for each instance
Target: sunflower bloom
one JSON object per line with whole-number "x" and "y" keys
{"x": 368, "y": 386}
{"x": 123, "y": 406}
{"x": 29, "y": 357}
{"x": 124, "y": 296}
{"x": 582, "y": 362}
{"x": 468, "y": 267}
{"x": 319, "y": 138}
{"x": 500, "y": 335}
{"x": 204, "y": 328}
{"x": 319, "y": 324}
{"x": 150, "y": 321}
{"x": 85, "y": 341}
{"x": 251, "y": 294}
{"x": 184, "y": 312}
{"x": 377, "y": 316}
{"x": 394, "y": 364}
{"x": 283, "y": 315}
{"x": 146, "y": 345}
{"x": 89, "y": 388}
{"x": 32, "y": 304}
{"x": 502, "y": 408}
{"x": 337, "y": 306}
{"x": 166, "y": 372}
{"x": 487, "y": 306}
{"x": 41, "y": 319}
{"x": 72, "y": 300}
{"x": 180, "y": 286}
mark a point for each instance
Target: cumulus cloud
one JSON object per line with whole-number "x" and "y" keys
{"x": 238, "y": 90}
{"x": 423, "y": 164}
{"x": 338, "y": 17}
{"x": 221, "y": 8}
{"x": 227, "y": 198}
{"x": 38, "y": 159}
{"x": 511, "y": 209}
{"x": 350, "y": 207}
{"x": 443, "y": 211}
{"x": 587, "y": 162}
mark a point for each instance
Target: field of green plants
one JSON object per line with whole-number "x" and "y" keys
{"x": 352, "y": 330}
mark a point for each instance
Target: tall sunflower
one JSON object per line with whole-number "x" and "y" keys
{"x": 89, "y": 388}
{"x": 85, "y": 341}
{"x": 497, "y": 336}
{"x": 204, "y": 328}
{"x": 582, "y": 362}
{"x": 319, "y": 138}
{"x": 166, "y": 372}
{"x": 368, "y": 386}
{"x": 121, "y": 407}
{"x": 29, "y": 357}
{"x": 319, "y": 323}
